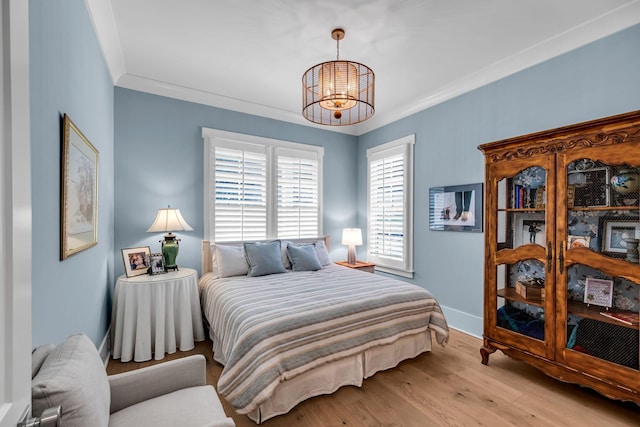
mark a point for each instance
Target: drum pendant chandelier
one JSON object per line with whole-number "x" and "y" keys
{"x": 338, "y": 93}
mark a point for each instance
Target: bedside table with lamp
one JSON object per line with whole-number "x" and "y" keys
{"x": 352, "y": 237}
{"x": 154, "y": 314}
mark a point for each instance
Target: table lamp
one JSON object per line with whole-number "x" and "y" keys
{"x": 351, "y": 237}
{"x": 169, "y": 219}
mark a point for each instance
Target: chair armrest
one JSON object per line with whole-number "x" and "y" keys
{"x": 143, "y": 384}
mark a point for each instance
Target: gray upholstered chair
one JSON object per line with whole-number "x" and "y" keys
{"x": 170, "y": 394}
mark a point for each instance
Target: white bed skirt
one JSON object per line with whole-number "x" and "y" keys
{"x": 348, "y": 371}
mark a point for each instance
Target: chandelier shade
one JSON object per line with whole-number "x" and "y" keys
{"x": 338, "y": 93}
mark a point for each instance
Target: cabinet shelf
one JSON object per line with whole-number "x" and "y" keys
{"x": 511, "y": 295}
{"x": 605, "y": 208}
{"x": 541, "y": 209}
{"x": 593, "y": 312}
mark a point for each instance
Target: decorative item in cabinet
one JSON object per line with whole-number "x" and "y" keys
{"x": 598, "y": 292}
{"x": 532, "y": 288}
{"x": 528, "y": 228}
{"x": 615, "y": 232}
{"x": 588, "y": 187}
{"x": 578, "y": 242}
{"x": 528, "y": 188}
{"x": 625, "y": 186}
{"x": 541, "y": 198}
{"x": 628, "y": 317}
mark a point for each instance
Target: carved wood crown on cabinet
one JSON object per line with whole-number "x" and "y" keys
{"x": 544, "y": 190}
{"x": 594, "y": 133}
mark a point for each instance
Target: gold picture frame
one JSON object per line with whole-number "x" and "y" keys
{"x": 79, "y": 192}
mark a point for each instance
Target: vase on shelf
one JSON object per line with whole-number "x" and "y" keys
{"x": 632, "y": 250}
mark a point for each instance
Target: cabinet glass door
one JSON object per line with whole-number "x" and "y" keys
{"x": 599, "y": 271}
{"x": 522, "y": 258}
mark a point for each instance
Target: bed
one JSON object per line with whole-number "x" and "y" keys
{"x": 285, "y": 337}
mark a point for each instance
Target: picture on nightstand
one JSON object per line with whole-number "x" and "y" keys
{"x": 136, "y": 260}
{"x": 157, "y": 263}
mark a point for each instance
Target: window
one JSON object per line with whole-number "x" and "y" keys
{"x": 390, "y": 206}
{"x": 259, "y": 188}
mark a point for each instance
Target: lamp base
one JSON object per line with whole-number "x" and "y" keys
{"x": 170, "y": 249}
{"x": 351, "y": 255}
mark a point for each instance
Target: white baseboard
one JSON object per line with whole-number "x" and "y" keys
{"x": 105, "y": 348}
{"x": 463, "y": 322}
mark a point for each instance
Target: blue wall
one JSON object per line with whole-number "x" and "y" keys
{"x": 151, "y": 156}
{"x": 597, "y": 80}
{"x": 159, "y": 161}
{"x": 68, "y": 75}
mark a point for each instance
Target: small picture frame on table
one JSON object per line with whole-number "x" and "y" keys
{"x": 157, "y": 263}
{"x": 136, "y": 260}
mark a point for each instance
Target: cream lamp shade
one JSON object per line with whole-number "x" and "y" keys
{"x": 351, "y": 237}
{"x": 168, "y": 220}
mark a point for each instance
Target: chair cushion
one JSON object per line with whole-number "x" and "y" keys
{"x": 194, "y": 406}
{"x": 38, "y": 356}
{"x": 73, "y": 376}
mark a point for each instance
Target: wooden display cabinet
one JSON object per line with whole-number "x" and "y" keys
{"x": 562, "y": 210}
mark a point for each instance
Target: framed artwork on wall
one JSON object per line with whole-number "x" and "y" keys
{"x": 136, "y": 260}
{"x": 456, "y": 208}
{"x": 79, "y": 191}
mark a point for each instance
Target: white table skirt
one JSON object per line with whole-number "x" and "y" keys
{"x": 154, "y": 315}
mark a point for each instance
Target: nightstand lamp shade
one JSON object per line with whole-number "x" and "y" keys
{"x": 351, "y": 237}
{"x": 169, "y": 219}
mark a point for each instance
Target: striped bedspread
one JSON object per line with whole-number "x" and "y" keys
{"x": 269, "y": 329}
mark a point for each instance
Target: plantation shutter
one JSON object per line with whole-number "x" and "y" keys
{"x": 298, "y": 207}
{"x": 390, "y": 206}
{"x": 259, "y": 188}
{"x": 387, "y": 207}
{"x": 240, "y": 194}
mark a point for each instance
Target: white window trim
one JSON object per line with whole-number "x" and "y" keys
{"x": 406, "y": 145}
{"x": 216, "y": 137}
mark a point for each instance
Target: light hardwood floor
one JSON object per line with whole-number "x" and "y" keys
{"x": 447, "y": 387}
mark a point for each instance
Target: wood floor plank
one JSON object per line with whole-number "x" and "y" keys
{"x": 447, "y": 387}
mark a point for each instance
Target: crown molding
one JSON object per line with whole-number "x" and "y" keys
{"x": 616, "y": 20}
{"x": 156, "y": 87}
{"x": 104, "y": 25}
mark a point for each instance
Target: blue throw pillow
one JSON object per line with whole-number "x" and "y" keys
{"x": 303, "y": 258}
{"x": 264, "y": 258}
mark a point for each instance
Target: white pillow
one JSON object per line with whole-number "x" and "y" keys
{"x": 229, "y": 261}
{"x": 322, "y": 253}
{"x": 283, "y": 250}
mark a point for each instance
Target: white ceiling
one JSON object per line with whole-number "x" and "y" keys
{"x": 249, "y": 55}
